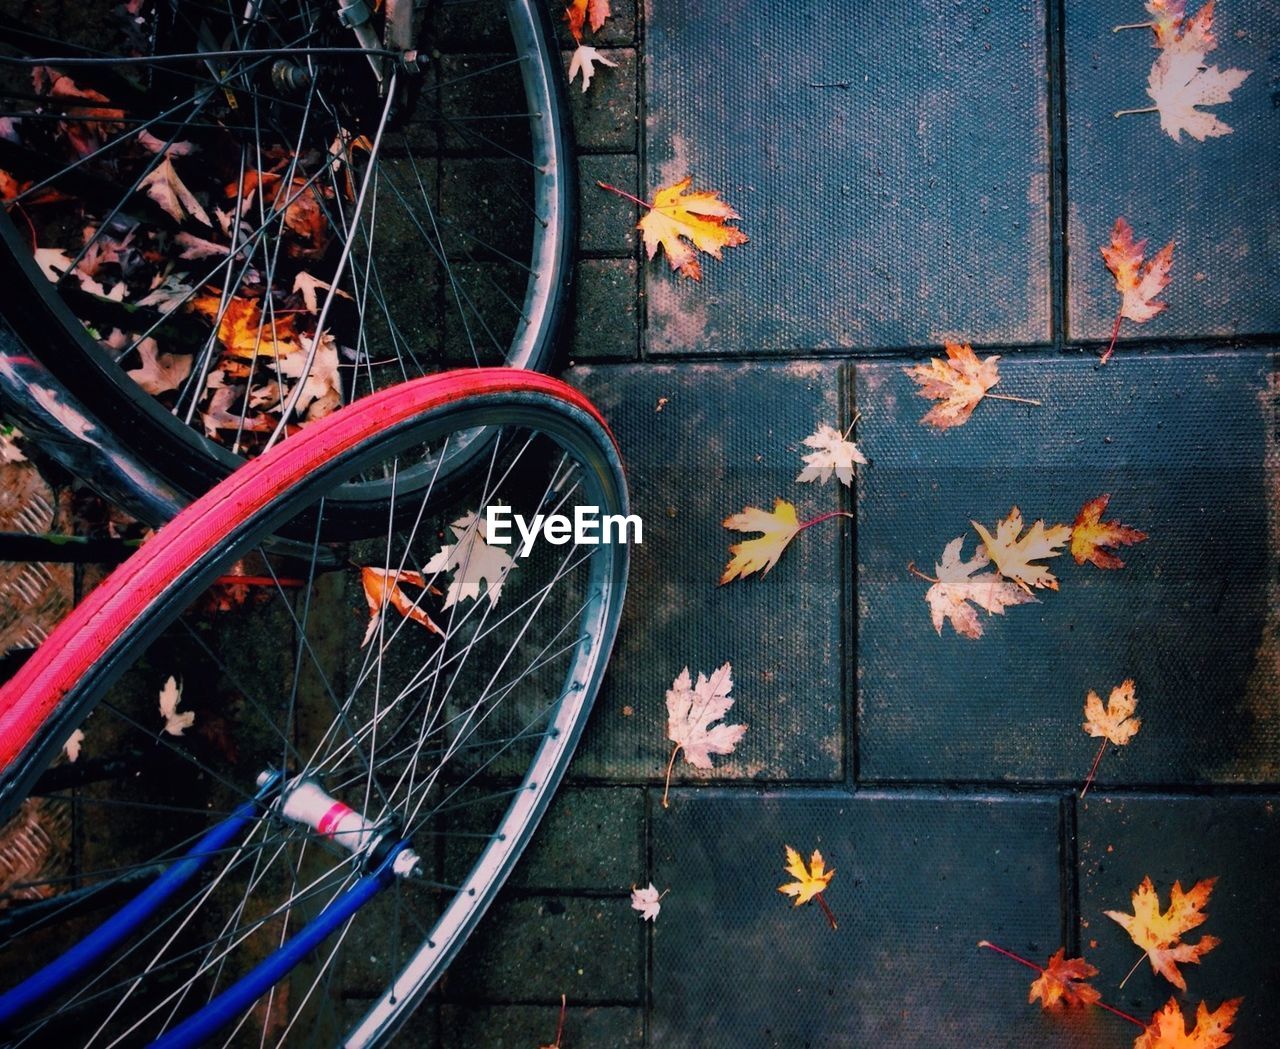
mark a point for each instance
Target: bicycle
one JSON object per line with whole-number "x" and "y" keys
{"x": 327, "y": 855}
{"x": 221, "y": 224}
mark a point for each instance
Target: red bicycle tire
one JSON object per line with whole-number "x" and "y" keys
{"x": 32, "y": 696}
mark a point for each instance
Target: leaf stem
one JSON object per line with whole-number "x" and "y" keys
{"x": 1094, "y": 767}
{"x": 1115, "y": 333}
{"x": 1131, "y": 972}
{"x": 911, "y": 567}
{"x": 826, "y": 909}
{"x": 670, "y": 765}
{"x": 1133, "y": 25}
{"x": 1131, "y": 112}
{"x": 623, "y": 193}
{"x": 823, "y": 517}
{"x": 564, "y": 1003}
{"x": 1011, "y": 397}
{"x": 1040, "y": 969}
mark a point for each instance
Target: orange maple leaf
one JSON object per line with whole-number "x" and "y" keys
{"x": 1063, "y": 981}
{"x": 1168, "y": 1030}
{"x": 1158, "y": 933}
{"x": 1138, "y": 282}
{"x": 244, "y": 331}
{"x": 698, "y": 217}
{"x": 958, "y": 384}
{"x": 1090, "y": 533}
{"x": 382, "y": 588}
{"x": 583, "y": 12}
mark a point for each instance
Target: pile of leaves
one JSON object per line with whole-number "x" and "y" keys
{"x": 207, "y": 283}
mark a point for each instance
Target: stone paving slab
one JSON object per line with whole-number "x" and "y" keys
{"x": 702, "y": 442}
{"x": 919, "y": 880}
{"x": 590, "y": 838}
{"x": 1122, "y": 839}
{"x": 533, "y": 949}
{"x": 529, "y": 1026}
{"x": 910, "y": 203}
{"x": 1186, "y": 447}
{"x": 1215, "y": 199}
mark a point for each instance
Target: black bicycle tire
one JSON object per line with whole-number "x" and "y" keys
{"x": 173, "y": 454}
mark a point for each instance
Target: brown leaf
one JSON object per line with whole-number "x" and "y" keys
{"x": 1063, "y": 982}
{"x": 1090, "y": 534}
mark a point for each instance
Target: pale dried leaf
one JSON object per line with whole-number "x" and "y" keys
{"x": 692, "y": 710}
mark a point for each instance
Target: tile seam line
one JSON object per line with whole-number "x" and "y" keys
{"x": 1056, "y": 119}
{"x": 1134, "y": 350}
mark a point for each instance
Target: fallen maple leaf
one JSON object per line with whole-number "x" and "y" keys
{"x": 473, "y": 561}
{"x": 1168, "y": 1029}
{"x": 580, "y": 13}
{"x": 810, "y": 881}
{"x": 956, "y": 585}
{"x": 1015, "y": 557}
{"x": 1179, "y": 82}
{"x": 779, "y": 526}
{"x": 647, "y": 902}
{"x": 245, "y": 331}
{"x": 834, "y": 455}
{"x": 692, "y": 709}
{"x": 1195, "y": 34}
{"x": 166, "y": 188}
{"x": 160, "y": 371}
{"x": 1090, "y": 534}
{"x": 1063, "y": 981}
{"x": 382, "y": 588}
{"x": 1138, "y": 283}
{"x": 958, "y": 384}
{"x": 170, "y": 696}
{"x": 73, "y": 744}
{"x": 583, "y": 62}
{"x": 1159, "y": 933}
{"x": 1116, "y": 724}
{"x": 699, "y": 216}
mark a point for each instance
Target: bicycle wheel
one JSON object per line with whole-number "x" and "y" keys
{"x": 223, "y": 222}
{"x": 318, "y": 770}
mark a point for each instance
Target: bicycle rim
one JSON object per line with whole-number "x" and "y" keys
{"x": 228, "y": 248}
{"x": 464, "y": 737}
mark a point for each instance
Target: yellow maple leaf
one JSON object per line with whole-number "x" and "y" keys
{"x": 810, "y": 880}
{"x": 1015, "y": 556}
{"x": 1090, "y": 533}
{"x": 957, "y": 384}
{"x": 1168, "y": 1029}
{"x": 1116, "y": 723}
{"x": 698, "y": 216}
{"x": 1159, "y": 933}
{"x": 1064, "y": 981}
{"x": 779, "y": 526}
